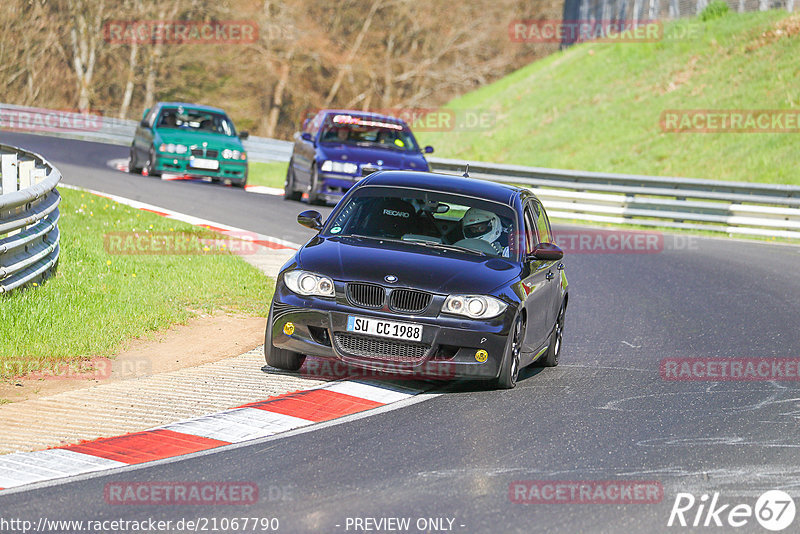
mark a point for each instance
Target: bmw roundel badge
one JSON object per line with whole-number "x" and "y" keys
{"x": 390, "y": 278}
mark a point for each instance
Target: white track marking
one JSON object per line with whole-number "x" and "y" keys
{"x": 238, "y": 425}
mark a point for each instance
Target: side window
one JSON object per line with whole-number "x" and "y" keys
{"x": 316, "y": 123}
{"x": 151, "y": 116}
{"x": 530, "y": 229}
{"x": 542, "y": 224}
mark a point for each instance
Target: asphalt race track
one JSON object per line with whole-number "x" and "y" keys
{"x": 605, "y": 413}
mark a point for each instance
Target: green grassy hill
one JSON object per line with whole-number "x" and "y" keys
{"x": 596, "y": 106}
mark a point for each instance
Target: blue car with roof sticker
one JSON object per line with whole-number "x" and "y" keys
{"x": 337, "y": 148}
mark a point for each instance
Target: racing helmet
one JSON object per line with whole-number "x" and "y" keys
{"x": 481, "y": 224}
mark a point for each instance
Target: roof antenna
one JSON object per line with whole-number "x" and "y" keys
{"x": 466, "y": 171}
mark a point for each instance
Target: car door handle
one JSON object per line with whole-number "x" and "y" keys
{"x": 549, "y": 276}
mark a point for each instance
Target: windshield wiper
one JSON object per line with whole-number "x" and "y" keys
{"x": 433, "y": 244}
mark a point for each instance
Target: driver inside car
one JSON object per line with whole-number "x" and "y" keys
{"x": 486, "y": 226}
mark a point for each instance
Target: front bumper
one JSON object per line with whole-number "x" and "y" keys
{"x": 333, "y": 186}
{"x": 447, "y": 351}
{"x": 228, "y": 169}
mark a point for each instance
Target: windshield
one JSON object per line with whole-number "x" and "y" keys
{"x": 197, "y": 120}
{"x": 429, "y": 219}
{"x": 368, "y": 131}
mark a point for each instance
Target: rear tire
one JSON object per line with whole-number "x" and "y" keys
{"x": 550, "y": 358}
{"x": 289, "y": 192}
{"x": 509, "y": 371}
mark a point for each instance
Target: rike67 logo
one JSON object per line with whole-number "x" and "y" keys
{"x": 774, "y": 510}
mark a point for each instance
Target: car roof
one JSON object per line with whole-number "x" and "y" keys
{"x": 199, "y": 107}
{"x": 370, "y": 114}
{"x": 446, "y": 183}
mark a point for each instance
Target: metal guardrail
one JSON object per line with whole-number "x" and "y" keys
{"x": 29, "y": 237}
{"x": 670, "y": 202}
{"x": 718, "y": 206}
{"x": 102, "y": 129}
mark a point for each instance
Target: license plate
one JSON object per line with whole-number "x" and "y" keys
{"x": 200, "y": 163}
{"x": 379, "y": 327}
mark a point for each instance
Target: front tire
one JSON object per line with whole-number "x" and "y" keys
{"x": 151, "y": 164}
{"x": 509, "y": 371}
{"x": 289, "y": 192}
{"x": 550, "y": 358}
{"x": 314, "y": 196}
{"x": 133, "y": 165}
{"x": 280, "y": 358}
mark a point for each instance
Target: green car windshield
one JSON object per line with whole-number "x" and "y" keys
{"x": 196, "y": 120}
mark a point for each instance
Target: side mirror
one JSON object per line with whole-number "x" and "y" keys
{"x": 144, "y": 124}
{"x": 305, "y": 136}
{"x": 429, "y": 149}
{"x": 244, "y": 135}
{"x": 310, "y": 219}
{"x": 547, "y": 252}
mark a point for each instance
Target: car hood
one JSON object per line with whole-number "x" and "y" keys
{"x": 392, "y": 159}
{"x": 192, "y": 138}
{"x": 416, "y": 266}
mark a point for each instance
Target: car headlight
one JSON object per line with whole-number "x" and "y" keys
{"x": 172, "y": 148}
{"x": 474, "y": 306}
{"x": 344, "y": 167}
{"x": 306, "y": 283}
{"x": 233, "y": 154}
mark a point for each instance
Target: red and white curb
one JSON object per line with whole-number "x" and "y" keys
{"x": 252, "y": 421}
{"x": 122, "y": 165}
{"x": 227, "y": 230}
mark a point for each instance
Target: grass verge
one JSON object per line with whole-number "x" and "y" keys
{"x": 270, "y": 174}
{"x": 97, "y": 300}
{"x": 598, "y": 106}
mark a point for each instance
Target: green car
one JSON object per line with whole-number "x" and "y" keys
{"x": 189, "y": 139}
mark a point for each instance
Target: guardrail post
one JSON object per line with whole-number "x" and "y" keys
{"x": 8, "y": 170}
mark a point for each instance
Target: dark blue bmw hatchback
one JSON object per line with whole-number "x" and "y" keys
{"x": 416, "y": 272}
{"x": 337, "y": 148}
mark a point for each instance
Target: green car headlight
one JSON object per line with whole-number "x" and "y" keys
{"x": 171, "y": 148}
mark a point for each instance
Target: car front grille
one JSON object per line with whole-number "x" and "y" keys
{"x": 204, "y": 153}
{"x": 408, "y": 300}
{"x": 366, "y": 295}
{"x": 380, "y": 349}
